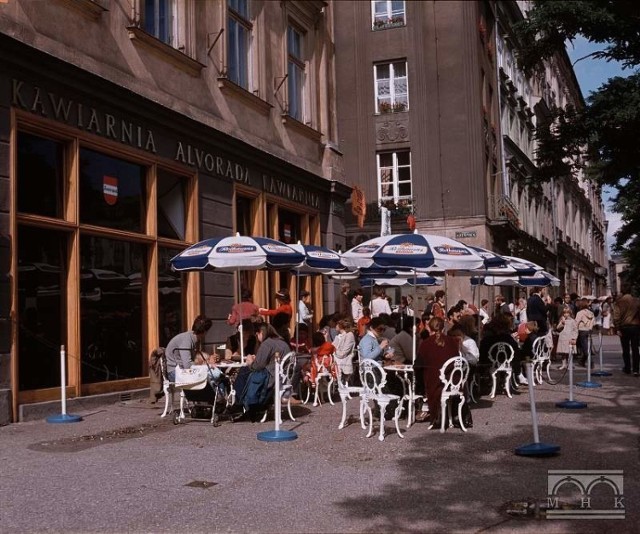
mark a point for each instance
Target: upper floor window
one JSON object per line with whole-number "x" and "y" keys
{"x": 387, "y": 13}
{"x": 159, "y": 20}
{"x": 239, "y": 42}
{"x": 296, "y": 73}
{"x": 394, "y": 178}
{"x": 391, "y": 87}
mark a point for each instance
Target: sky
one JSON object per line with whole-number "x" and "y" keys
{"x": 591, "y": 74}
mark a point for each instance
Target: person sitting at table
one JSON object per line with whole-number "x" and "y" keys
{"x": 402, "y": 342}
{"x": 373, "y": 345}
{"x": 467, "y": 332}
{"x": 345, "y": 344}
{"x": 432, "y": 354}
{"x": 300, "y": 339}
{"x": 495, "y": 331}
{"x": 246, "y": 309}
{"x": 390, "y": 323}
{"x": 284, "y": 306}
{"x": 182, "y": 347}
{"x": 249, "y": 340}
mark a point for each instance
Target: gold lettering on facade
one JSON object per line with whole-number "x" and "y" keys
{"x": 179, "y": 153}
{"x": 80, "y": 123}
{"x": 37, "y": 103}
{"x": 150, "y": 145}
{"x": 16, "y": 99}
{"x": 127, "y": 133}
{"x": 110, "y": 123}
{"x": 93, "y": 122}
{"x": 291, "y": 192}
{"x": 61, "y": 109}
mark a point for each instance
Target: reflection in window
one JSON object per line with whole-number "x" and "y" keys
{"x": 391, "y": 87}
{"x": 394, "y": 177}
{"x": 112, "y": 192}
{"x": 40, "y": 175}
{"x": 171, "y": 205}
{"x": 296, "y": 74}
{"x": 158, "y": 19}
{"x": 169, "y": 296}
{"x": 239, "y": 28}
{"x": 111, "y": 303}
{"x": 41, "y": 306}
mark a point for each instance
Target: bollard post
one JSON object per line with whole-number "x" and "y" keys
{"x": 63, "y": 417}
{"x": 589, "y": 383}
{"x": 570, "y": 403}
{"x": 277, "y": 434}
{"x": 536, "y": 448}
{"x": 601, "y": 372}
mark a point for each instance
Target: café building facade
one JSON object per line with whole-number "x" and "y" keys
{"x": 101, "y": 184}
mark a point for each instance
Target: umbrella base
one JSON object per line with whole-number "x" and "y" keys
{"x": 537, "y": 449}
{"x": 64, "y": 418}
{"x": 589, "y": 384}
{"x": 601, "y": 373}
{"x": 277, "y": 435}
{"x": 571, "y": 405}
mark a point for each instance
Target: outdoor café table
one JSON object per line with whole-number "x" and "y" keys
{"x": 405, "y": 373}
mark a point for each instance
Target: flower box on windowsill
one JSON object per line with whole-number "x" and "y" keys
{"x": 390, "y": 23}
{"x": 385, "y": 107}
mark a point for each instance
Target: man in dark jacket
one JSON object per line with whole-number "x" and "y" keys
{"x": 626, "y": 320}
{"x": 537, "y": 310}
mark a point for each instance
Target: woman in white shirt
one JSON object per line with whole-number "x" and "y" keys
{"x": 356, "y": 306}
{"x": 379, "y": 304}
{"x": 344, "y": 343}
{"x": 304, "y": 313}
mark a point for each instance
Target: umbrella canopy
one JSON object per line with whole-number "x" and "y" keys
{"x": 317, "y": 260}
{"x": 490, "y": 258}
{"x": 412, "y": 251}
{"x": 237, "y": 253}
{"x": 419, "y": 281}
{"x": 540, "y": 279}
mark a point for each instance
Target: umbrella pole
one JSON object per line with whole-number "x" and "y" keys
{"x": 414, "y": 329}
{"x": 240, "y": 329}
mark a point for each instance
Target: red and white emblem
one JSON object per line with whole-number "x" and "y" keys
{"x": 110, "y": 189}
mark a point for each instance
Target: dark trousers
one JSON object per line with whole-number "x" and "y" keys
{"x": 630, "y": 341}
{"x": 583, "y": 344}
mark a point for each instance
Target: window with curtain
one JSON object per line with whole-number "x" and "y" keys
{"x": 158, "y": 18}
{"x": 394, "y": 178}
{"x": 387, "y": 13}
{"x": 391, "y": 87}
{"x": 296, "y": 73}
{"x": 239, "y": 42}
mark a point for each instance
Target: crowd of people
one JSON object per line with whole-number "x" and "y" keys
{"x": 381, "y": 331}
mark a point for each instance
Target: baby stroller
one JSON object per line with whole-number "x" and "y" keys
{"x": 204, "y": 391}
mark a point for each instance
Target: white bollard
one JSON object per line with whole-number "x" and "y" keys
{"x": 63, "y": 417}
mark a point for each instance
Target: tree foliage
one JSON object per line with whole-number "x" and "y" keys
{"x": 609, "y": 124}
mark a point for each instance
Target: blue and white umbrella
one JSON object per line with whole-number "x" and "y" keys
{"x": 394, "y": 282}
{"x": 317, "y": 260}
{"x": 420, "y": 252}
{"x": 539, "y": 279}
{"x": 490, "y": 258}
{"x": 237, "y": 253}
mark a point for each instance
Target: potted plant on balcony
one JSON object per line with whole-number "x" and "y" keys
{"x": 399, "y": 106}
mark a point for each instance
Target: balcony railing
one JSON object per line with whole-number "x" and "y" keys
{"x": 502, "y": 209}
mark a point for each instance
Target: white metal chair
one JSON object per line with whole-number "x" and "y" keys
{"x": 287, "y": 369}
{"x": 346, "y": 391}
{"x": 374, "y": 379}
{"x": 168, "y": 387}
{"x": 324, "y": 366}
{"x": 501, "y": 355}
{"x": 541, "y": 360}
{"x": 453, "y": 375}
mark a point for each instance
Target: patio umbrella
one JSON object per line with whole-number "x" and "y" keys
{"x": 540, "y": 279}
{"x": 415, "y": 251}
{"x": 400, "y": 281}
{"x": 316, "y": 260}
{"x": 237, "y": 253}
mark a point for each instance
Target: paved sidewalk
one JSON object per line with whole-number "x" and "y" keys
{"x": 123, "y": 469}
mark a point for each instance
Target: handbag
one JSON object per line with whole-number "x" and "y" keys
{"x": 193, "y": 378}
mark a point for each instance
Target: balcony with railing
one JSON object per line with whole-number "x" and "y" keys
{"x": 504, "y": 213}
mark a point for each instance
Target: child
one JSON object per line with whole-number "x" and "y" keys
{"x": 568, "y": 329}
{"x": 363, "y": 322}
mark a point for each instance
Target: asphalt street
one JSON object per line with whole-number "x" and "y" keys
{"x": 124, "y": 469}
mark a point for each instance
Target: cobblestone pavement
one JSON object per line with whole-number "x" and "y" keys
{"x": 123, "y": 469}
